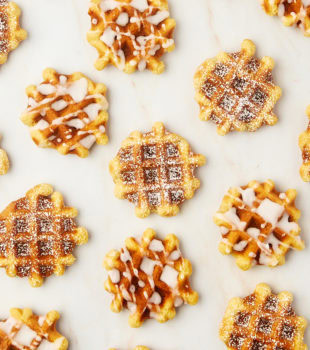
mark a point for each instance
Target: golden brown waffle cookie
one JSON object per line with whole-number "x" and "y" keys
{"x": 292, "y": 12}
{"x": 67, "y": 112}
{"x": 38, "y": 234}
{"x": 236, "y": 91}
{"x": 131, "y": 34}
{"x": 10, "y": 32}
{"x": 24, "y": 330}
{"x": 263, "y": 321}
{"x": 258, "y": 224}
{"x": 304, "y": 144}
{"x": 150, "y": 278}
{"x": 4, "y": 162}
{"x": 155, "y": 171}
{"x": 137, "y": 348}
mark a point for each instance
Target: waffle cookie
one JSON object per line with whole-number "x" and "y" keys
{"x": 131, "y": 34}
{"x": 304, "y": 144}
{"x": 236, "y": 91}
{"x": 150, "y": 278}
{"x": 24, "y": 330}
{"x": 155, "y": 171}
{"x": 258, "y": 224}
{"x": 67, "y": 112}
{"x": 292, "y": 12}
{"x": 10, "y": 32}
{"x": 38, "y": 235}
{"x": 263, "y": 321}
{"x": 4, "y": 162}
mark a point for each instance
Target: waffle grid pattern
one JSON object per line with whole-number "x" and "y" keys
{"x": 236, "y": 91}
{"x": 155, "y": 171}
{"x": 263, "y": 321}
{"x": 38, "y": 235}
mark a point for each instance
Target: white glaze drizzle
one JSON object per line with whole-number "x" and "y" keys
{"x": 271, "y": 212}
{"x": 78, "y": 91}
{"x": 169, "y": 276}
{"x": 145, "y": 46}
{"x": 22, "y": 336}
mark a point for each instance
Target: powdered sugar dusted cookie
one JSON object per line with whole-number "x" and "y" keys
{"x": 10, "y": 32}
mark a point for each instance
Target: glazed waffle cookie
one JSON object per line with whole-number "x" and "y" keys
{"x": 263, "y": 320}
{"x": 304, "y": 144}
{"x": 10, "y": 32}
{"x": 258, "y": 224}
{"x": 67, "y": 112}
{"x": 155, "y": 171}
{"x": 131, "y": 34}
{"x": 38, "y": 235}
{"x": 4, "y": 162}
{"x": 292, "y": 12}
{"x": 236, "y": 91}
{"x": 150, "y": 278}
{"x": 24, "y": 330}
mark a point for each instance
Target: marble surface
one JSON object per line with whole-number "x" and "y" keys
{"x": 57, "y": 38}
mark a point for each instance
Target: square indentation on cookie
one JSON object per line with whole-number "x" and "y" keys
{"x": 174, "y": 173}
{"x": 128, "y": 177}
{"x": 172, "y": 150}
{"x": 22, "y": 249}
{"x": 177, "y": 196}
{"x": 242, "y": 319}
{"x": 264, "y": 325}
{"x": 246, "y": 115}
{"x": 239, "y": 84}
{"x": 45, "y": 248}
{"x": 227, "y": 103}
{"x": 44, "y": 225}
{"x": 208, "y": 89}
{"x": 149, "y": 152}
{"x": 221, "y": 70}
{"x": 287, "y": 332}
{"x": 125, "y": 154}
{"x": 151, "y": 175}
{"x": 44, "y": 203}
{"x": 258, "y": 97}
{"x": 21, "y": 225}
{"x": 154, "y": 198}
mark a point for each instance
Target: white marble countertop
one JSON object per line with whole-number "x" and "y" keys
{"x": 57, "y": 38}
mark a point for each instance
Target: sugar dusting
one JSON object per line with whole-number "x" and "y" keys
{"x": 237, "y": 91}
{"x": 4, "y": 29}
{"x": 156, "y": 169}
{"x": 276, "y": 324}
{"x": 37, "y": 237}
